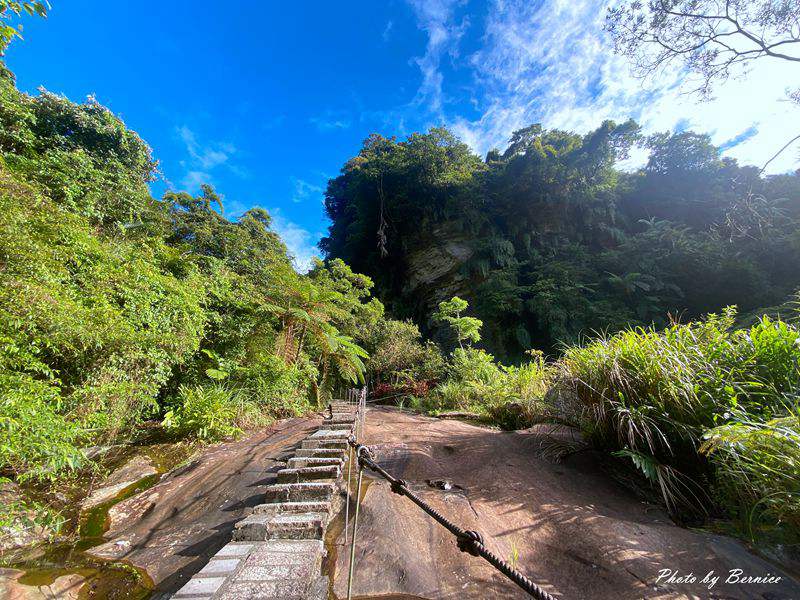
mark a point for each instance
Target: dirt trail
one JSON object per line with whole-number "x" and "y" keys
{"x": 173, "y": 528}
{"x": 572, "y": 529}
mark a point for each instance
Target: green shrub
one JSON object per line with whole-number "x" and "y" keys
{"x": 703, "y": 411}
{"x": 471, "y": 364}
{"x": 274, "y": 387}
{"x": 758, "y": 469}
{"x": 209, "y": 413}
{"x": 525, "y": 389}
{"x": 398, "y": 355}
{"x": 36, "y": 443}
{"x": 512, "y": 397}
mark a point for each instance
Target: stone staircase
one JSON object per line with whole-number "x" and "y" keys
{"x": 277, "y": 550}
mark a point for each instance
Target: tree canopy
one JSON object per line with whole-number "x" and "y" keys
{"x": 549, "y": 240}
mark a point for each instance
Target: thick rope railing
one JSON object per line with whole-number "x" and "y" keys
{"x": 467, "y": 541}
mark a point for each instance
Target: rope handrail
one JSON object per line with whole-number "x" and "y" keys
{"x": 467, "y": 541}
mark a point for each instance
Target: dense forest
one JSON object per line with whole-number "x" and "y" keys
{"x": 549, "y": 240}
{"x": 116, "y": 307}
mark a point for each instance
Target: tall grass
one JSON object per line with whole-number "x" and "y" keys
{"x": 758, "y": 469}
{"x": 212, "y": 412}
{"x": 708, "y": 414}
{"x": 510, "y": 396}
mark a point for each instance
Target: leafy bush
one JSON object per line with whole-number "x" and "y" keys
{"x": 210, "y": 413}
{"x": 700, "y": 409}
{"x": 512, "y": 397}
{"x": 36, "y": 443}
{"x": 398, "y": 356}
{"x": 274, "y": 387}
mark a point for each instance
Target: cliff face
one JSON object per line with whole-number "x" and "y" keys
{"x": 434, "y": 269}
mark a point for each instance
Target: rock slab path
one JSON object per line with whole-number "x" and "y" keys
{"x": 567, "y": 526}
{"x": 174, "y": 528}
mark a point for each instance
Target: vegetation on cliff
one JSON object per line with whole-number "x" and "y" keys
{"x": 549, "y": 239}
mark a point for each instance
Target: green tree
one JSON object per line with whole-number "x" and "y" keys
{"x": 466, "y": 329}
{"x": 8, "y": 8}
{"x": 714, "y": 40}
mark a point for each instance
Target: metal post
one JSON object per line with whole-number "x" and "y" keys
{"x": 347, "y": 506}
{"x": 363, "y": 408}
{"x": 353, "y": 541}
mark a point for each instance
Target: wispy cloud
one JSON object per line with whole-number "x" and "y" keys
{"x": 304, "y": 189}
{"x": 192, "y": 181}
{"x": 437, "y": 19}
{"x": 300, "y": 242}
{"x": 203, "y": 158}
{"x": 331, "y": 120}
{"x": 551, "y": 62}
{"x": 387, "y": 31}
{"x": 207, "y": 157}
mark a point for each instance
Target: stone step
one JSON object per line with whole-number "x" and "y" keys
{"x": 341, "y": 415}
{"x": 320, "y": 452}
{"x": 339, "y": 426}
{"x": 220, "y": 567}
{"x": 308, "y": 474}
{"x": 322, "y": 442}
{"x": 327, "y": 434}
{"x": 298, "y": 462}
{"x": 324, "y": 445}
{"x": 275, "y": 508}
{"x": 269, "y": 589}
{"x": 278, "y": 569}
{"x": 313, "y": 491}
{"x": 199, "y": 588}
{"x": 338, "y": 421}
{"x": 260, "y": 527}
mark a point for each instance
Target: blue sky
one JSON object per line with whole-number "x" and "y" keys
{"x": 267, "y": 100}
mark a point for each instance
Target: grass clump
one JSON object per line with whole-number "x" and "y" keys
{"x": 708, "y": 414}
{"x": 509, "y": 396}
{"x": 758, "y": 470}
{"x": 211, "y": 413}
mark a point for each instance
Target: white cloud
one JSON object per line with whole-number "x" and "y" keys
{"x": 551, "y": 62}
{"x": 387, "y": 31}
{"x": 206, "y": 157}
{"x": 303, "y": 189}
{"x": 203, "y": 159}
{"x": 192, "y": 181}
{"x": 300, "y": 242}
{"x": 331, "y": 121}
{"x": 435, "y": 17}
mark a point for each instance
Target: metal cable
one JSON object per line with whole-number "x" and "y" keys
{"x": 468, "y": 541}
{"x": 347, "y": 505}
{"x": 355, "y": 527}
